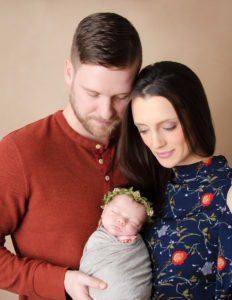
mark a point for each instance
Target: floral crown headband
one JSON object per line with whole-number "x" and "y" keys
{"x": 133, "y": 194}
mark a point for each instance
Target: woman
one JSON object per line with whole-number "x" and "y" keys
{"x": 166, "y": 150}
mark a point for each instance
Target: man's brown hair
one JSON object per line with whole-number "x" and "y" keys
{"x": 106, "y": 39}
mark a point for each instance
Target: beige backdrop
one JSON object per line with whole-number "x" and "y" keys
{"x": 36, "y": 37}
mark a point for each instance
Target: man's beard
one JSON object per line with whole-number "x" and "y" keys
{"x": 97, "y": 131}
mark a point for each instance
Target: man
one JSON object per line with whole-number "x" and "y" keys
{"x": 54, "y": 172}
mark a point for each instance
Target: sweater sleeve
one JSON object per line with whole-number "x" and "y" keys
{"x": 18, "y": 274}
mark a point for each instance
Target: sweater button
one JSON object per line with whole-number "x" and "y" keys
{"x": 100, "y": 161}
{"x": 107, "y": 178}
{"x": 98, "y": 146}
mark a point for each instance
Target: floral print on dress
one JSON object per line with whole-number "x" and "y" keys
{"x": 221, "y": 263}
{"x": 178, "y": 257}
{"x": 191, "y": 244}
{"x": 206, "y": 199}
{"x": 207, "y": 162}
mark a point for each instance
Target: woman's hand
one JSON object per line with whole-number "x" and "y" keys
{"x": 77, "y": 285}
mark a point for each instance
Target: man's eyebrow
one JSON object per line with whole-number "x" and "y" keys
{"x": 125, "y": 93}
{"x": 89, "y": 89}
{"x": 94, "y": 91}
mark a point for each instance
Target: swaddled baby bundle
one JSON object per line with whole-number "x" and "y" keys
{"x": 125, "y": 267}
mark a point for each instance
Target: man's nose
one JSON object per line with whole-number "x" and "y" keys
{"x": 106, "y": 109}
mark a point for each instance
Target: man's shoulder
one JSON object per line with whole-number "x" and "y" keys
{"x": 34, "y": 130}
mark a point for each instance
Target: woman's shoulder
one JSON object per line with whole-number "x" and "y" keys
{"x": 218, "y": 162}
{"x": 218, "y": 171}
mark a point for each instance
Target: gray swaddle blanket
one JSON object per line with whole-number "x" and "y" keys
{"x": 126, "y": 268}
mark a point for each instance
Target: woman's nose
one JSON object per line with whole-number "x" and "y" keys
{"x": 157, "y": 141}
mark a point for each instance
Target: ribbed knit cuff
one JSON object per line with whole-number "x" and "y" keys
{"x": 49, "y": 281}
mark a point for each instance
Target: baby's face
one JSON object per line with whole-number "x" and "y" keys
{"x": 123, "y": 216}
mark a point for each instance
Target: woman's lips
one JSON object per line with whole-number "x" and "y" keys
{"x": 166, "y": 154}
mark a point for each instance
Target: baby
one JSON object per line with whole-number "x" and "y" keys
{"x": 115, "y": 252}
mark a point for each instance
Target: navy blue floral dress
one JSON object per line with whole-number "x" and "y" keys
{"x": 191, "y": 245}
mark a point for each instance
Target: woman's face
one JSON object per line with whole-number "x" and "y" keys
{"x": 161, "y": 131}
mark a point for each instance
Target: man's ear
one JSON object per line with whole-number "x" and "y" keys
{"x": 229, "y": 198}
{"x": 68, "y": 72}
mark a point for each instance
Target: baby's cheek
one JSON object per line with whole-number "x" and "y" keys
{"x": 133, "y": 230}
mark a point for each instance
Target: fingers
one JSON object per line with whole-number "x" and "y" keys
{"x": 77, "y": 285}
{"x": 126, "y": 240}
{"x": 92, "y": 282}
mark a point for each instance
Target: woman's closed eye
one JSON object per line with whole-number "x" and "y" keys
{"x": 142, "y": 130}
{"x": 170, "y": 128}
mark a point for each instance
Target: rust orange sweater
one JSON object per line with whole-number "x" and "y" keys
{"x": 52, "y": 181}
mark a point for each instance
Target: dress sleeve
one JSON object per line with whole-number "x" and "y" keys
{"x": 21, "y": 275}
{"x": 224, "y": 259}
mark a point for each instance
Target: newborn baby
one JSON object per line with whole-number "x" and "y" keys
{"x": 116, "y": 252}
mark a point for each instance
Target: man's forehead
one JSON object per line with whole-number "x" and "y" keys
{"x": 104, "y": 80}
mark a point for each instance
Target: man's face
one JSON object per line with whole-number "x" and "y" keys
{"x": 98, "y": 98}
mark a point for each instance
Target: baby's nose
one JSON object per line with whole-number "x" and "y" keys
{"x": 121, "y": 221}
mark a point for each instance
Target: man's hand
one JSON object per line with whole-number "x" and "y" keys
{"x": 77, "y": 285}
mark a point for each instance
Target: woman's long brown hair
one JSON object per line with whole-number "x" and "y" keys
{"x": 180, "y": 85}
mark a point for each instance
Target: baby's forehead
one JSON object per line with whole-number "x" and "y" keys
{"x": 122, "y": 198}
{"x": 124, "y": 203}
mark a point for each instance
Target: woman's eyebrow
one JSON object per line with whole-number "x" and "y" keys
{"x": 159, "y": 123}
